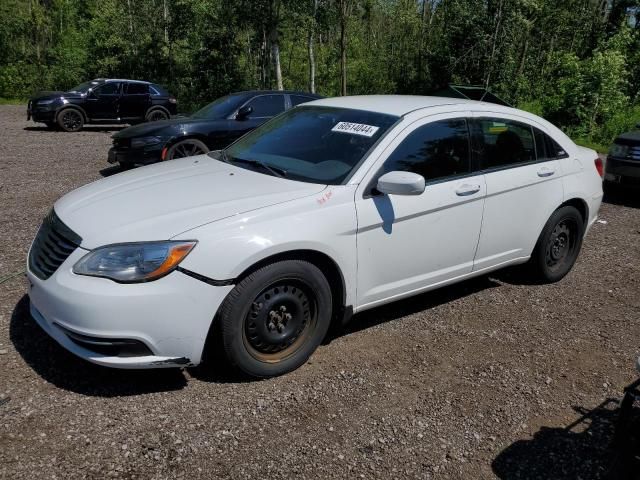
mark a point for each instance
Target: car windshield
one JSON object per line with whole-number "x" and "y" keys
{"x": 311, "y": 144}
{"x": 83, "y": 87}
{"x": 221, "y": 107}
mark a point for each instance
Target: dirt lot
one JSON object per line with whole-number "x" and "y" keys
{"x": 473, "y": 381}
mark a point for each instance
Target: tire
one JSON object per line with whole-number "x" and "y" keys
{"x": 156, "y": 115}
{"x": 558, "y": 246}
{"x": 275, "y": 318}
{"x": 186, "y": 148}
{"x": 70, "y": 120}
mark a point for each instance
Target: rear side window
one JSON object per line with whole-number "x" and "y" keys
{"x": 266, "y": 106}
{"x": 137, "y": 89}
{"x": 504, "y": 143}
{"x": 435, "y": 150}
{"x": 554, "y": 150}
{"x": 298, "y": 99}
{"x": 157, "y": 90}
{"x": 112, "y": 88}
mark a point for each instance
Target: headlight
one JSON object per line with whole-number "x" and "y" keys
{"x": 134, "y": 262}
{"x": 618, "y": 150}
{"x": 145, "y": 142}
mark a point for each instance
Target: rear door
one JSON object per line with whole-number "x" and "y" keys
{"x": 103, "y": 102}
{"x": 135, "y": 101}
{"x": 524, "y": 187}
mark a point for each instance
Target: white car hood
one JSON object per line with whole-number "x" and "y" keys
{"x": 160, "y": 201}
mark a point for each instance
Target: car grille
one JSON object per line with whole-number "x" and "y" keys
{"x": 52, "y": 246}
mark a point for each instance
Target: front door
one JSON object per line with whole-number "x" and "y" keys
{"x": 410, "y": 243}
{"x": 103, "y": 102}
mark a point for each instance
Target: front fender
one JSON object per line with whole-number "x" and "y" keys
{"x": 325, "y": 223}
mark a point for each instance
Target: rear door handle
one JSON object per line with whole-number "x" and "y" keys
{"x": 466, "y": 190}
{"x": 545, "y": 172}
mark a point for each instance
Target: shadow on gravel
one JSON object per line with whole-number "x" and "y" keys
{"x": 425, "y": 301}
{"x": 581, "y": 450}
{"x": 86, "y": 128}
{"x": 59, "y": 367}
{"x": 107, "y": 172}
{"x": 623, "y": 196}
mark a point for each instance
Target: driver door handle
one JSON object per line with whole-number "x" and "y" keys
{"x": 465, "y": 190}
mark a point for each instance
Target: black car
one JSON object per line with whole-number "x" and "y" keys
{"x": 623, "y": 162}
{"x": 210, "y": 128}
{"x": 102, "y": 101}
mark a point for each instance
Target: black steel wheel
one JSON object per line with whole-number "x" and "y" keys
{"x": 558, "y": 245}
{"x": 70, "y": 120}
{"x": 186, "y": 148}
{"x": 156, "y": 115}
{"x": 275, "y": 318}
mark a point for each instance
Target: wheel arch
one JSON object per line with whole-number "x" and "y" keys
{"x": 156, "y": 107}
{"x": 181, "y": 138}
{"x": 327, "y": 266}
{"x": 82, "y": 111}
{"x": 580, "y": 205}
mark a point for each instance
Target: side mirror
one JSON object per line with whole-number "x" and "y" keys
{"x": 401, "y": 183}
{"x": 91, "y": 93}
{"x": 244, "y": 112}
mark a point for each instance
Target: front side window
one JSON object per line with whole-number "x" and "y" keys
{"x": 504, "y": 143}
{"x": 310, "y": 144}
{"x": 112, "y": 88}
{"x": 435, "y": 150}
{"x": 266, "y": 106}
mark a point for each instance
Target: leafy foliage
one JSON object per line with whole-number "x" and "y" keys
{"x": 576, "y": 62}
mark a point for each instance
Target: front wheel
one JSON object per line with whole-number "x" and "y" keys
{"x": 186, "y": 148}
{"x": 70, "y": 120}
{"x": 558, "y": 245}
{"x": 275, "y": 318}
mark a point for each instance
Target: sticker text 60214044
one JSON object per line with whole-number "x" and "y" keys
{"x": 356, "y": 129}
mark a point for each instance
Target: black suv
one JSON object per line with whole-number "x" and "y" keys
{"x": 102, "y": 101}
{"x": 623, "y": 162}
{"x": 210, "y": 128}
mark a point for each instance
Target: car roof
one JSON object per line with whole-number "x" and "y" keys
{"x": 400, "y": 105}
{"x": 287, "y": 92}
{"x": 104, "y": 80}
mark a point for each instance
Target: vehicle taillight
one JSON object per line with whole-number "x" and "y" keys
{"x": 172, "y": 100}
{"x": 599, "y": 166}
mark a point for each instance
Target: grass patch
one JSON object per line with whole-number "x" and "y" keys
{"x": 585, "y": 142}
{"x": 12, "y": 101}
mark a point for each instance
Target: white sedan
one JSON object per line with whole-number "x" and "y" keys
{"x": 331, "y": 208}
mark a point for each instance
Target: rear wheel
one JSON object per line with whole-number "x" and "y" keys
{"x": 155, "y": 115}
{"x": 558, "y": 246}
{"x": 186, "y": 148}
{"x": 275, "y": 318}
{"x": 70, "y": 120}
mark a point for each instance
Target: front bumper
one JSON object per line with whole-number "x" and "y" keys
{"x": 135, "y": 156}
{"x": 41, "y": 115}
{"x": 622, "y": 171}
{"x": 170, "y": 316}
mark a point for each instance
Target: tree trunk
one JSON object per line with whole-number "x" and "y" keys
{"x": 312, "y": 59}
{"x": 344, "y": 6}
{"x": 165, "y": 15}
{"x": 275, "y": 43}
{"x": 494, "y": 44}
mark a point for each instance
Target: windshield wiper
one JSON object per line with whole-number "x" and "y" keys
{"x": 276, "y": 171}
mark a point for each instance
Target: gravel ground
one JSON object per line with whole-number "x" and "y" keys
{"x": 478, "y": 380}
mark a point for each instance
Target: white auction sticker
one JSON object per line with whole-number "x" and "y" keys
{"x": 356, "y": 129}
